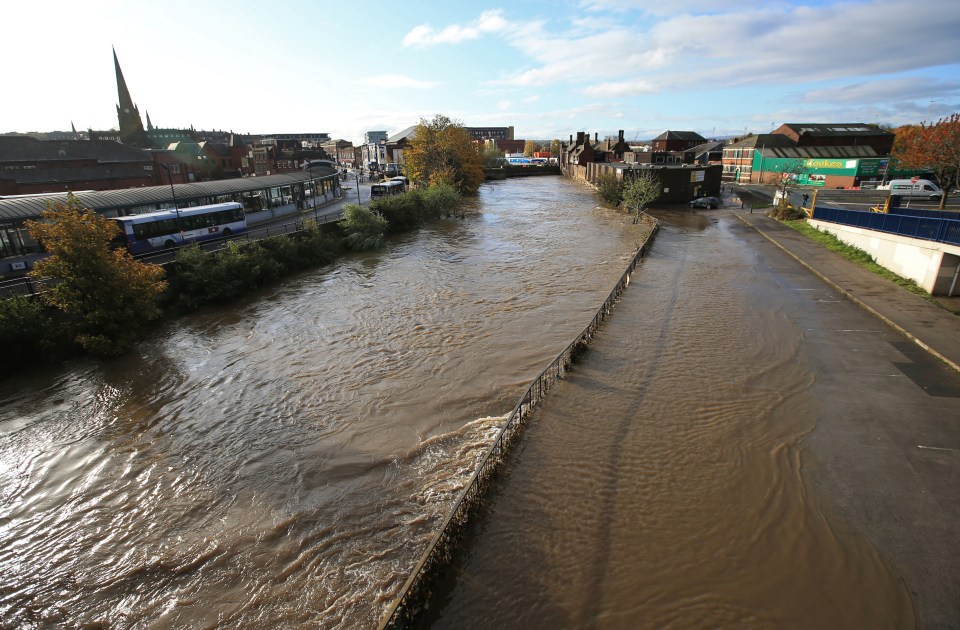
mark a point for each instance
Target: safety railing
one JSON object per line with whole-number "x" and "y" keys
{"x": 926, "y": 228}
{"x": 407, "y": 607}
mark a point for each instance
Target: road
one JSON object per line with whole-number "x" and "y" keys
{"x": 854, "y": 199}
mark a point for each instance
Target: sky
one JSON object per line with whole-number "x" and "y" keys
{"x": 549, "y": 68}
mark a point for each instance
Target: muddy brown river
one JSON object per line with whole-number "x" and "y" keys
{"x": 282, "y": 462}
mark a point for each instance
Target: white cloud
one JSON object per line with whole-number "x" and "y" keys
{"x": 701, "y": 45}
{"x": 620, "y": 89}
{"x": 424, "y": 35}
{"x": 503, "y": 105}
{"x": 397, "y": 81}
{"x": 884, "y": 91}
{"x": 533, "y": 98}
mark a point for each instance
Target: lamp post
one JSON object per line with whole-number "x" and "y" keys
{"x": 359, "y": 201}
{"x": 176, "y": 208}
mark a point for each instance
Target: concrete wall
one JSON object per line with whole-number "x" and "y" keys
{"x": 931, "y": 265}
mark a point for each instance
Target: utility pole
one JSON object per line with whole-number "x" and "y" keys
{"x": 176, "y": 208}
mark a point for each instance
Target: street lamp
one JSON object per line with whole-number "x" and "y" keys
{"x": 313, "y": 192}
{"x": 359, "y": 201}
{"x": 176, "y": 208}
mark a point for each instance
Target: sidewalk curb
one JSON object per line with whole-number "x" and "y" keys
{"x": 852, "y": 297}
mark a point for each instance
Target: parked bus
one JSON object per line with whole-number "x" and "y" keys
{"x": 387, "y": 188}
{"x": 165, "y": 229}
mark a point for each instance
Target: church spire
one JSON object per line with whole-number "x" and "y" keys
{"x": 131, "y": 126}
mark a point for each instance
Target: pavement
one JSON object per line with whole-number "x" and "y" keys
{"x": 931, "y": 327}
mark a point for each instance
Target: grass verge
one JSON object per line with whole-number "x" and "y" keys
{"x": 863, "y": 259}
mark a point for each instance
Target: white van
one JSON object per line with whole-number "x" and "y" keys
{"x": 910, "y": 188}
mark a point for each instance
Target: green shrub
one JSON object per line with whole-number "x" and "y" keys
{"x": 363, "y": 228}
{"x": 404, "y": 212}
{"x": 31, "y": 332}
{"x": 439, "y": 199}
{"x": 201, "y": 277}
{"x": 610, "y": 190}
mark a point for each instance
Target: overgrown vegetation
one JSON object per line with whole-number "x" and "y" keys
{"x": 862, "y": 258}
{"x": 104, "y": 295}
{"x": 101, "y": 299}
{"x": 363, "y": 228}
{"x": 610, "y": 190}
{"x": 634, "y": 193}
{"x": 210, "y": 277}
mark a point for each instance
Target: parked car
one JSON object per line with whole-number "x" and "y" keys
{"x": 705, "y": 202}
{"x": 401, "y": 178}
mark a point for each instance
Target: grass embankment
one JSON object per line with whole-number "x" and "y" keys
{"x": 862, "y": 258}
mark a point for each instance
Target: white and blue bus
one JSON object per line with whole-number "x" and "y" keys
{"x": 387, "y": 188}
{"x": 165, "y": 229}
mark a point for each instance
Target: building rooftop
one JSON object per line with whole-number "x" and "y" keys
{"x": 858, "y": 151}
{"x": 836, "y": 129}
{"x": 680, "y": 135}
{"x": 26, "y": 149}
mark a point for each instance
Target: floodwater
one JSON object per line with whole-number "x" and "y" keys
{"x": 660, "y": 485}
{"x": 282, "y": 462}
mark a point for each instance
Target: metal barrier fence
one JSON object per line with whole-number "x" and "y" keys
{"x": 31, "y": 286}
{"x": 405, "y": 609}
{"x": 929, "y": 229}
{"x": 927, "y": 214}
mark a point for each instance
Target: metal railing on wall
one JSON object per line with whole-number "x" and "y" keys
{"x": 929, "y": 229}
{"x": 407, "y": 607}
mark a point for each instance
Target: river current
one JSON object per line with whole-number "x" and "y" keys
{"x": 282, "y": 461}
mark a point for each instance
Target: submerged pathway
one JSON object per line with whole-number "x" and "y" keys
{"x": 738, "y": 448}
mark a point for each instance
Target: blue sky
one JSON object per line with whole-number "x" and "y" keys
{"x": 549, "y": 68}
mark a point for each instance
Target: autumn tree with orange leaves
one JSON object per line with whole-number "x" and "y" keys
{"x": 443, "y": 151}
{"x": 106, "y": 295}
{"x": 934, "y": 147}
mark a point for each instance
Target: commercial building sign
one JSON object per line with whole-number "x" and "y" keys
{"x": 812, "y": 179}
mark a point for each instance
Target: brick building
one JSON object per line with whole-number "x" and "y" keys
{"x": 677, "y": 141}
{"x": 838, "y": 135}
{"x": 30, "y": 166}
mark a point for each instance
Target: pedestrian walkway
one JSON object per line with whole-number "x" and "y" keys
{"x": 933, "y": 328}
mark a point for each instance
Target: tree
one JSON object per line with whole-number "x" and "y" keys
{"x": 783, "y": 178}
{"x": 935, "y": 147}
{"x": 492, "y": 157}
{"x": 530, "y": 147}
{"x": 106, "y": 295}
{"x": 641, "y": 190}
{"x": 555, "y": 148}
{"x": 442, "y": 150}
{"x": 610, "y": 189}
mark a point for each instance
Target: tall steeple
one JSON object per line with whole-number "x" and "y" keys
{"x": 131, "y": 126}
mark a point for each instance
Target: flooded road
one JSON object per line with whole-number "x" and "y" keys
{"x": 662, "y": 484}
{"x": 283, "y": 461}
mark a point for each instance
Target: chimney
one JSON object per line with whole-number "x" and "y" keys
{"x": 571, "y": 138}
{"x": 579, "y": 137}
{"x": 596, "y": 137}
{"x": 620, "y": 136}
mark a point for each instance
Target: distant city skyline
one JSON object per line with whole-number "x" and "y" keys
{"x": 547, "y": 68}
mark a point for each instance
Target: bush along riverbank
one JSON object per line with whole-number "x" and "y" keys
{"x": 101, "y": 301}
